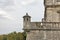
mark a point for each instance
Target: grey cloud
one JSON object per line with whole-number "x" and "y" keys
{"x": 4, "y": 3}
{"x": 29, "y": 2}
{"x": 16, "y": 10}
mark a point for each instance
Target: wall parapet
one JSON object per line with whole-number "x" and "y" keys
{"x": 43, "y": 25}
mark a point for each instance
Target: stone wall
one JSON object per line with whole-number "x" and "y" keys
{"x": 52, "y": 35}
{"x": 35, "y": 35}
{"x": 48, "y": 2}
{"x": 43, "y": 35}
{"x": 52, "y": 15}
{"x": 52, "y": 2}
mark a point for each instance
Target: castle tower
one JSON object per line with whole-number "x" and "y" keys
{"x": 26, "y": 21}
{"x": 52, "y": 10}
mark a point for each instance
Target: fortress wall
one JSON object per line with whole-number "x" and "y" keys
{"x": 43, "y": 35}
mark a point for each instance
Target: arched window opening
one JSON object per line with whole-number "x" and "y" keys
{"x": 27, "y": 19}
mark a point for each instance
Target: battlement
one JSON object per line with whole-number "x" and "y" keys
{"x": 43, "y": 25}
{"x": 52, "y": 2}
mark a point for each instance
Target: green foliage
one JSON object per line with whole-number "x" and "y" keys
{"x": 14, "y": 36}
{"x": 1, "y": 37}
{"x": 4, "y": 37}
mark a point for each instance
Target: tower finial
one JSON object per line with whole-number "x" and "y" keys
{"x": 26, "y": 14}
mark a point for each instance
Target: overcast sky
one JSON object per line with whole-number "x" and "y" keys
{"x": 12, "y": 11}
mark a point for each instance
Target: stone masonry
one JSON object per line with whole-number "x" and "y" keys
{"x": 49, "y": 28}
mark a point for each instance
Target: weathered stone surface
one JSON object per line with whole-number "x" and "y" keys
{"x": 52, "y": 14}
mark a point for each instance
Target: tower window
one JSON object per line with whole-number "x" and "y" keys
{"x": 27, "y": 19}
{"x": 58, "y": 0}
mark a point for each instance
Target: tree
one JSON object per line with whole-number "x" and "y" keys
{"x": 1, "y": 37}
{"x": 14, "y": 36}
{"x": 4, "y": 37}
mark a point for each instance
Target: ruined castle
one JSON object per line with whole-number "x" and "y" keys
{"x": 49, "y": 28}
